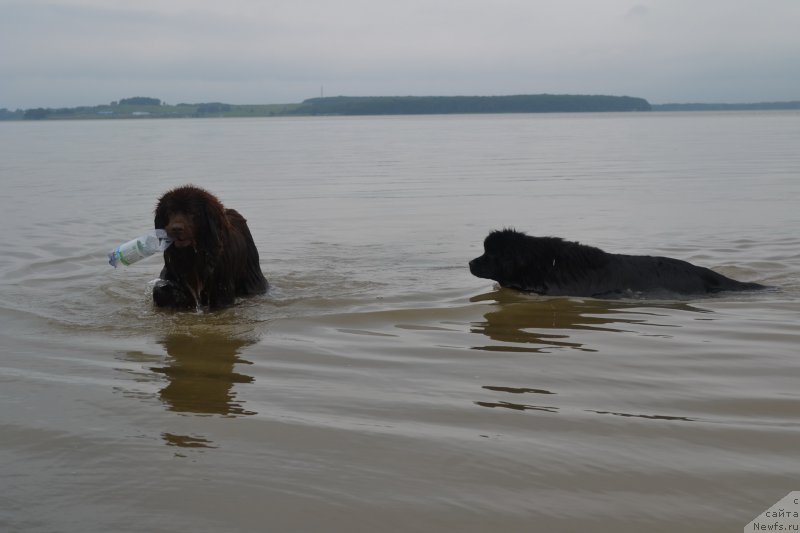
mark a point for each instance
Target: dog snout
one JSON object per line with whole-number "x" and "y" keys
{"x": 180, "y": 229}
{"x": 176, "y": 228}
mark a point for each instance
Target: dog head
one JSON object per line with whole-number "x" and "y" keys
{"x": 192, "y": 217}
{"x": 502, "y": 258}
{"x": 520, "y": 261}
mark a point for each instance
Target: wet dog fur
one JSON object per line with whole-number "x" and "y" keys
{"x": 212, "y": 259}
{"x": 553, "y": 266}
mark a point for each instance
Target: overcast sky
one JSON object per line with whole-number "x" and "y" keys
{"x": 64, "y": 53}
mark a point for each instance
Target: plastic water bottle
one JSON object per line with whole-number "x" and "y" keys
{"x": 132, "y": 251}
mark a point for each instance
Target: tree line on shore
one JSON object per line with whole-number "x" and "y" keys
{"x": 147, "y": 107}
{"x": 141, "y": 107}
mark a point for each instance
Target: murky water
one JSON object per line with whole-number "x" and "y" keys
{"x": 379, "y": 386}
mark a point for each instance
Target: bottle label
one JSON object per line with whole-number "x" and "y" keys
{"x": 139, "y": 248}
{"x": 130, "y": 252}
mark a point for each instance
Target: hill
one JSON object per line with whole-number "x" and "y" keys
{"x": 441, "y": 105}
{"x": 145, "y": 107}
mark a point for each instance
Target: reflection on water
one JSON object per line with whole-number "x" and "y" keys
{"x": 186, "y": 441}
{"x": 200, "y": 370}
{"x": 515, "y": 390}
{"x": 649, "y": 417}
{"x": 540, "y": 323}
{"x": 524, "y": 323}
{"x": 517, "y": 406}
{"x": 200, "y": 376}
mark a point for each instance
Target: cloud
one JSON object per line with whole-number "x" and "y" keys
{"x": 78, "y": 52}
{"x": 637, "y": 11}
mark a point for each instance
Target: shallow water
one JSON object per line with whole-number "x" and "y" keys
{"x": 379, "y": 386}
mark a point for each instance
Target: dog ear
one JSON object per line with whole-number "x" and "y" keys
{"x": 161, "y": 215}
{"x": 209, "y": 224}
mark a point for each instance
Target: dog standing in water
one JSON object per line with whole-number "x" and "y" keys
{"x": 553, "y": 266}
{"x": 213, "y": 258}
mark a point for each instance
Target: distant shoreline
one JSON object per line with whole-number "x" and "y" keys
{"x": 145, "y": 107}
{"x": 758, "y": 106}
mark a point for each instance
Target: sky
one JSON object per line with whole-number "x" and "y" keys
{"x": 67, "y": 53}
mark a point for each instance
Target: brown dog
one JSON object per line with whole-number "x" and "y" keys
{"x": 213, "y": 258}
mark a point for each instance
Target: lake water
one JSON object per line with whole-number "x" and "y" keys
{"x": 378, "y": 386}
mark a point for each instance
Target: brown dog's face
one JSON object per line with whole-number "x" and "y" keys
{"x": 181, "y": 229}
{"x": 194, "y": 218}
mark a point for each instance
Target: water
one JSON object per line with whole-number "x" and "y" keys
{"x": 378, "y": 386}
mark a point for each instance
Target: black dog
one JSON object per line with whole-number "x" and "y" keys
{"x": 212, "y": 259}
{"x": 553, "y": 266}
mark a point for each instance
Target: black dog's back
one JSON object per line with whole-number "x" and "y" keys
{"x": 648, "y": 274}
